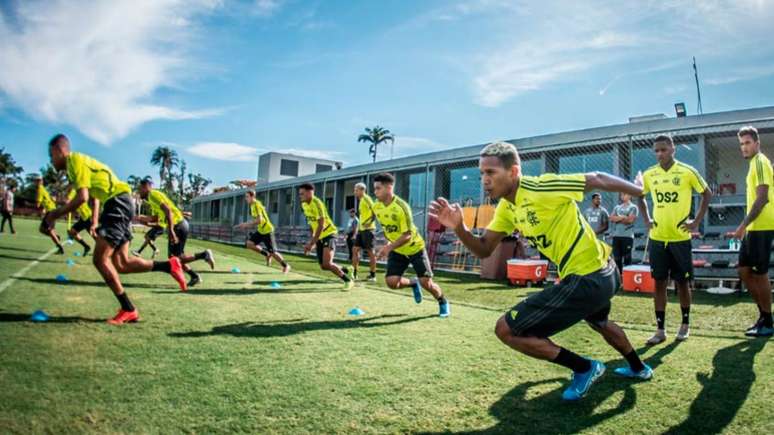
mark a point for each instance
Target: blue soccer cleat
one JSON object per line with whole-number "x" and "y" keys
{"x": 417, "y": 291}
{"x": 581, "y": 382}
{"x": 760, "y": 331}
{"x": 444, "y": 309}
{"x": 627, "y": 372}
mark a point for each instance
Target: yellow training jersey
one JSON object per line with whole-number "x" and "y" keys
{"x": 103, "y": 184}
{"x": 396, "y": 220}
{"x": 545, "y": 212}
{"x": 84, "y": 211}
{"x": 155, "y": 199}
{"x": 44, "y": 199}
{"x": 366, "y": 213}
{"x": 314, "y": 210}
{"x": 760, "y": 174}
{"x": 258, "y": 211}
{"x": 671, "y": 192}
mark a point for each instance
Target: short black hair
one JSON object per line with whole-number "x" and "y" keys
{"x": 307, "y": 186}
{"x": 352, "y": 210}
{"x": 596, "y": 195}
{"x": 664, "y": 138}
{"x": 384, "y": 178}
{"x": 146, "y": 181}
{"x": 748, "y": 131}
{"x": 56, "y": 139}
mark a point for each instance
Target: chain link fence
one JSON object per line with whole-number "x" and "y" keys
{"x": 713, "y": 151}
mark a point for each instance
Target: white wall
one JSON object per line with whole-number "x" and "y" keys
{"x": 306, "y": 166}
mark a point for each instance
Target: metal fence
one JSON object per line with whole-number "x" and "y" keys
{"x": 713, "y": 151}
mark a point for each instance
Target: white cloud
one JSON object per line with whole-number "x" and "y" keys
{"x": 312, "y": 153}
{"x": 741, "y": 74}
{"x": 98, "y": 65}
{"x": 266, "y": 8}
{"x": 531, "y": 46}
{"x": 228, "y": 151}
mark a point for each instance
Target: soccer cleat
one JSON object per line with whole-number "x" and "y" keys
{"x": 627, "y": 372}
{"x": 760, "y": 331}
{"x": 286, "y": 269}
{"x": 582, "y": 382}
{"x": 658, "y": 337}
{"x": 176, "y": 270}
{"x": 86, "y": 250}
{"x": 348, "y": 284}
{"x": 415, "y": 287}
{"x": 372, "y": 278}
{"x": 683, "y": 333}
{"x": 209, "y": 258}
{"x": 754, "y": 326}
{"x": 125, "y": 317}
{"x": 60, "y": 251}
{"x": 345, "y": 270}
{"x": 196, "y": 279}
{"x": 444, "y": 309}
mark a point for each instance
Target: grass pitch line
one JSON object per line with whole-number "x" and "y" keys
{"x": 7, "y": 283}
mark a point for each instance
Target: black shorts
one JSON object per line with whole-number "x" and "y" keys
{"x": 365, "y": 239}
{"x": 560, "y": 306}
{"x": 115, "y": 221}
{"x": 325, "y": 242}
{"x": 81, "y": 225}
{"x": 671, "y": 260}
{"x": 398, "y": 263}
{"x": 755, "y": 251}
{"x": 181, "y": 231}
{"x": 266, "y": 239}
{"x": 153, "y": 233}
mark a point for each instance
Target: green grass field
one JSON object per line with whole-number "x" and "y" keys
{"x": 235, "y": 355}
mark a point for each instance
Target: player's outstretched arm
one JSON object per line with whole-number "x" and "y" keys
{"x": 611, "y": 183}
{"x": 450, "y": 216}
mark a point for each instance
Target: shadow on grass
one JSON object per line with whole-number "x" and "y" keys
{"x": 286, "y": 281}
{"x": 293, "y": 327}
{"x": 246, "y": 292}
{"x": 34, "y": 251}
{"x": 77, "y": 282}
{"x": 522, "y": 411}
{"x": 19, "y": 317}
{"x": 724, "y": 391}
{"x": 33, "y": 258}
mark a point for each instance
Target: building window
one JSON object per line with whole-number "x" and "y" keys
{"x": 289, "y": 167}
{"x": 532, "y": 167}
{"x": 215, "y": 210}
{"x": 323, "y": 168}
{"x": 349, "y": 202}
{"x": 465, "y": 186}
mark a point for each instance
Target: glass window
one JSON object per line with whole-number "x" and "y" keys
{"x": 323, "y": 168}
{"x": 465, "y": 185}
{"x": 532, "y": 167}
{"x": 417, "y": 190}
{"x": 289, "y": 167}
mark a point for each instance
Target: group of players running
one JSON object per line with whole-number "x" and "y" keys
{"x": 542, "y": 209}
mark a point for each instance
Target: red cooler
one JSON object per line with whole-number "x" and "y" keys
{"x": 637, "y": 278}
{"x": 523, "y": 272}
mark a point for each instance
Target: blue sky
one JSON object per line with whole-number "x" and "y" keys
{"x": 223, "y": 81}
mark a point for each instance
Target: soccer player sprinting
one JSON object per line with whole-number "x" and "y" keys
{"x": 154, "y": 231}
{"x": 757, "y": 230}
{"x": 111, "y": 252}
{"x": 545, "y": 211}
{"x": 264, "y": 232}
{"x": 167, "y": 215}
{"x": 86, "y": 221}
{"x": 323, "y": 233}
{"x": 405, "y": 245}
{"x": 364, "y": 236}
{"x": 671, "y": 184}
{"x": 45, "y": 205}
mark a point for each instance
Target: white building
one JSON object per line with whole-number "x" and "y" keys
{"x": 275, "y": 166}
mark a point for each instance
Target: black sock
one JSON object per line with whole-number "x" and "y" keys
{"x": 766, "y": 317}
{"x": 686, "y": 314}
{"x": 371, "y": 274}
{"x": 84, "y": 244}
{"x": 660, "y": 316}
{"x": 192, "y": 274}
{"x": 264, "y": 253}
{"x": 200, "y": 255}
{"x": 123, "y": 299}
{"x": 139, "y": 251}
{"x": 442, "y": 300}
{"x": 634, "y": 361}
{"x": 161, "y": 266}
{"x": 572, "y": 361}
{"x": 760, "y": 312}
{"x": 152, "y": 246}
{"x": 344, "y": 277}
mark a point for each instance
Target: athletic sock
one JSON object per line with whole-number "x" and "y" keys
{"x": 123, "y": 299}
{"x": 264, "y": 253}
{"x": 371, "y": 274}
{"x": 660, "y": 319}
{"x": 200, "y": 255}
{"x": 442, "y": 300}
{"x": 192, "y": 274}
{"x": 572, "y": 361}
{"x": 161, "y": 266}
{"x": 634, "y": 361}
{"x": 84, "y": 244}
{"x": 686, "y": 314}
{"x": 766, "y": 319}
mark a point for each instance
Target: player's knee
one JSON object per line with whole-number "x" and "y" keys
{"x": 502, "y": 330}
{"x": 392, "y": 282}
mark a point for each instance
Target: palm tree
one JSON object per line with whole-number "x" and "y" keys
{"x": 376, "y": 136}
{"x": 166, "y": 159}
